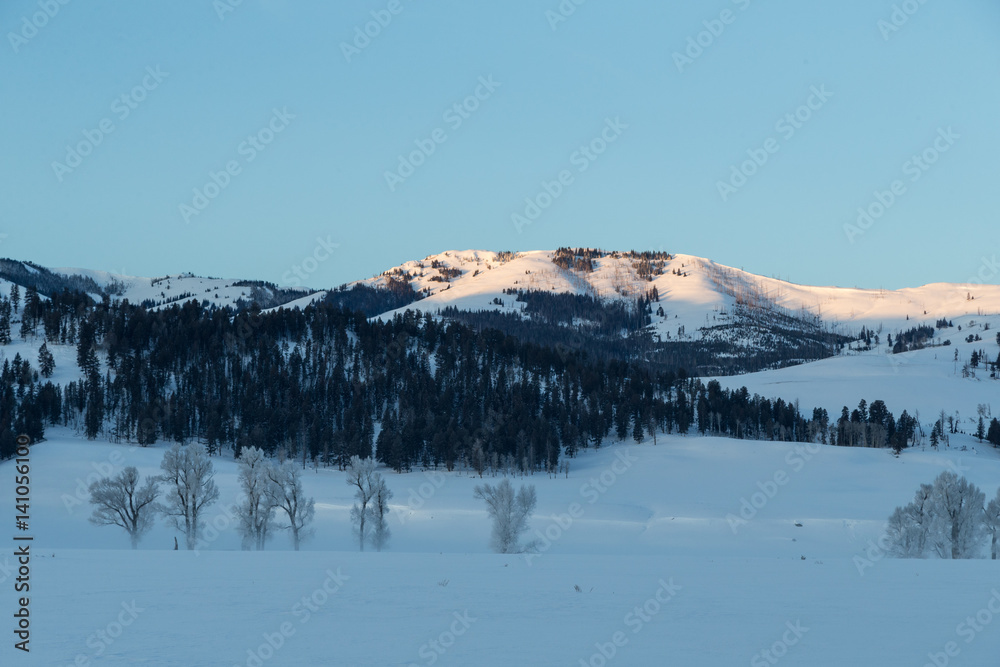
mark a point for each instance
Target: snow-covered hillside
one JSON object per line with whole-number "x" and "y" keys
{"x": 149, "y": 291}
{"x": 928, "y": 380}
{"x": 166, "y": 290}
{"x": 694, "y": 292}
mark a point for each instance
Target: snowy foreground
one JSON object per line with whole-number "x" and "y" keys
{"x": 664, "y": 576}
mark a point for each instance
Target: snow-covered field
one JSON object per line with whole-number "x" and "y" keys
{"x": 666, "y": 574}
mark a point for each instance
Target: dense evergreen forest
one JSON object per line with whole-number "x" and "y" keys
{"x": 325, "y": 383}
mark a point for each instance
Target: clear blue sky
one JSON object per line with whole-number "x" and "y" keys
{"x": 656, "y": 186}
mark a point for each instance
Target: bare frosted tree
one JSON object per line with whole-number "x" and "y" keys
{"x": 360, "y": 475}
{"x": 992, "y": 524}
{"x": 958, "y": 507}
{"x": 510, "y": 513}
{"x": 909, "y": 527}
{"x": 286, "y": 487}
{"x": 188, "y": 473}
{"x": 256, "y": 512}
{"x": 121, "y": 501}
{"x": 377, "y": 511}
{"x": 945, "y": 518}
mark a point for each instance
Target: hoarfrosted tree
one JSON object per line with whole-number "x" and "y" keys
{"x": 378, "y": 508}
{"x": 958, "y": 508}
{"x": 361, "y": 475}
{"x": 122, "y": 501}
{"x": 909, "y": 527}
{"x": 992, "y": 524}
{"x": 288, "y": 496}
{"x": 188, "y": 474}
{"x": 256, "y": 512}
{"x": 945, "y": 518}
{"x": 510, "y": 513}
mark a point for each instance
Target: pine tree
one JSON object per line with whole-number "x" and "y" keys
{"x": 32, "y": 310}
{"x": 46, "y": 362}
{"x": 993, "y": 435}
{"x": 5, "y": 322}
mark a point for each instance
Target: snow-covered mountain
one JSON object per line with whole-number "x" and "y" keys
{"x": 723, "y": 312}
{"x": 153, "y": 292}
{"x": 695, "y": 293}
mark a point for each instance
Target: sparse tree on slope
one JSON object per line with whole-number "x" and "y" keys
{"x": 510, "y": 514}
{"x": 121, "y": 501}
{"x": 286, "y": 486}
{"x": 188, "y": 472}
{"x": 256, "y": 512}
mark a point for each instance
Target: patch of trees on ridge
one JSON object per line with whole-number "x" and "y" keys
{"x": 647, "y": 264}
{"x": 44, "y": 281}
{"x": 373, "y": 300}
